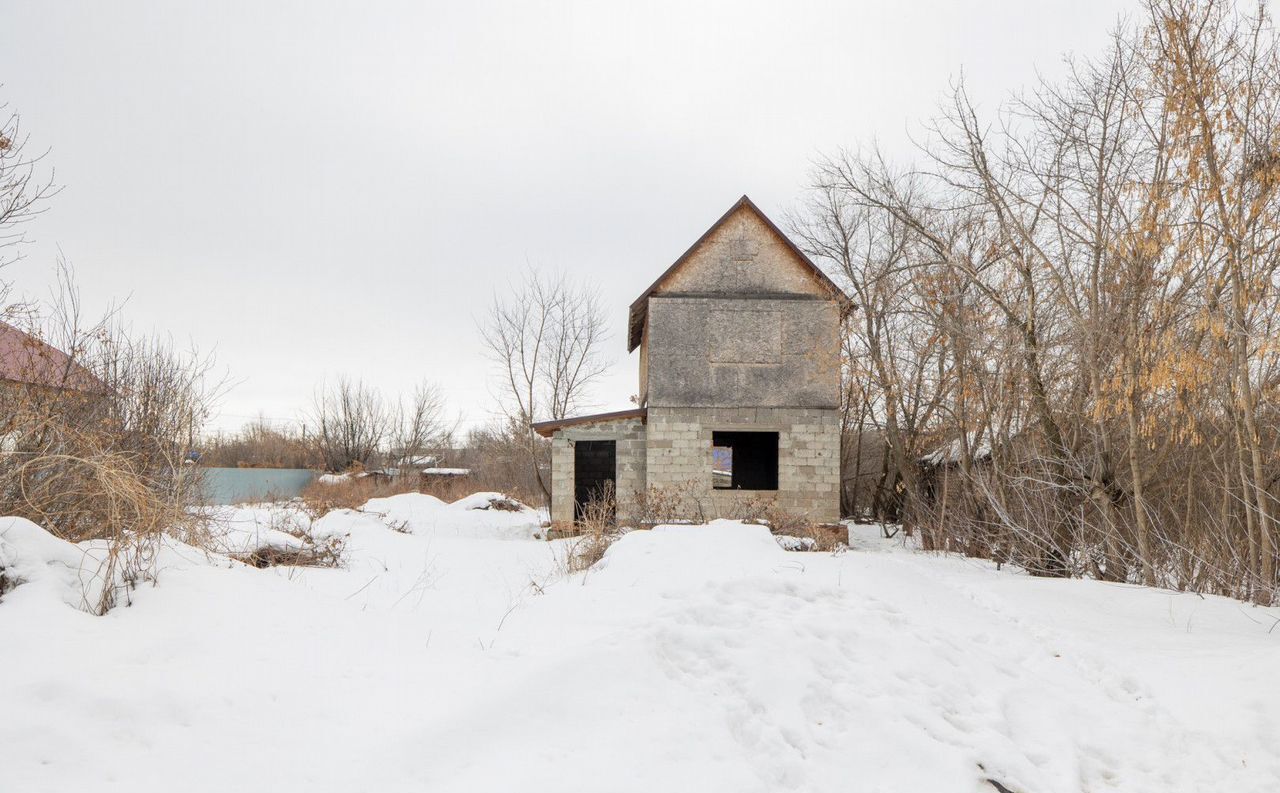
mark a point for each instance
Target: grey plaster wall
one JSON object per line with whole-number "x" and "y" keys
{"x": 743, "y": 255}
{"x": 742, "y": 351}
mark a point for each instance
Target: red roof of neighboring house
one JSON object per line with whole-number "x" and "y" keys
{"x": 26, "y": 359}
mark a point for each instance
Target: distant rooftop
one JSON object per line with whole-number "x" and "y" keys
{"x": 28, "y": 360}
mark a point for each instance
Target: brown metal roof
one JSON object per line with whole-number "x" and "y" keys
{"x": 547, "y": 428}
{"x": 640, "y": 307}
{"x": 28, "y": 360}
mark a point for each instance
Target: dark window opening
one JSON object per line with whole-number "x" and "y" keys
{"x": 744, "y": 460}
{"x": 594, "y": 474}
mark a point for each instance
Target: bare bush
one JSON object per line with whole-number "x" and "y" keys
{"x": 498, "y": 459}
{"x": 353, "y": 492}
{"x": 259, "y": 444}
{"x": 596, "y": 531}
{"x": 679, "y": 503}
{"x": 95, "y": 434}
{"x": 763, "y": 509}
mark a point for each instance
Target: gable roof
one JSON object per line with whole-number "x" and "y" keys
{"x": 640, "y": 307}
{"x": 28, "y": 360}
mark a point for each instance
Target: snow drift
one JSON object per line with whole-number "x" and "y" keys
{"x": 46, "y": 568}
{"x": 447, "y": 656}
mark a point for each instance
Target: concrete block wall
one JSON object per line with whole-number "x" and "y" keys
{"x": 631, "y": 462}
{"x": 678, "y": 452}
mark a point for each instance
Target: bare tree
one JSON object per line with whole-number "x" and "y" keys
{"x": 1068, "y": 310}
{"x": 23, "y": 191}
{"x": 349, "y": 422}
{"x": 545, "y": 338}
{"x": 422, "y": 426}
{"x": 260, "y": 443}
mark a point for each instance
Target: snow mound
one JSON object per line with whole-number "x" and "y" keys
{"x": 35, "y": 564}
{"x": 696, "y": 657}
{"x": 407, "y": 505}
{"x": 472, "y": 517}
{"x": 789, "y": 542}
{"x": 718, "y": 550}
{"x": 342, "y": 523}
{"x": 498, "y": 501}
{"x": 247, "y": 529}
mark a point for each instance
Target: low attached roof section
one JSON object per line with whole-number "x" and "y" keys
{"x": 640, "y": 308}
{"x": 547, "y": 428}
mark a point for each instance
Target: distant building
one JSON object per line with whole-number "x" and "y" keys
{"x": 26, "y": 361}
{"x": 36, "y": 378}
{"x": 739, "y": 384}
{"x": 437, "y": 474}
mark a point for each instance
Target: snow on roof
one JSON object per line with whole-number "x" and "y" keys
{"x": 951, "y": 452}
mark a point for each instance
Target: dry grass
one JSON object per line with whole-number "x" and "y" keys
{"x": 326, "y": 554}
{"x": 313, "y": 553}
{"x": 320, "y": 498}
{"x": 683, "y": 503}
{"x": 764, "y": 510}
{"x": 100, "y": 494}
{"x": 93, "y": 443}
{"x": 670, "y": 504}
{"x": 505, "y": 505}
{"x": 596, "y": 531}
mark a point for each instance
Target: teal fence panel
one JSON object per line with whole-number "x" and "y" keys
{"x": 250, "y": 485}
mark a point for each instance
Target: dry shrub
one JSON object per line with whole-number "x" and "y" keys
{"x": 504, "y": 504}
{"x": 327, "y": 552}
{"x": 258, "y": 444}
{"x": 320, "y": 498}
{"x": 98, "y": 457}
{"x": 353, "y": 492}
{"x": 597, "y": 530}
{"x": 92, "y": 492}
{"x": 498, "y": 458}
{"x": 763, "y": 509}
{"x": 94, "y": 418}
{"x": 681, "y": 503}
{"x": 323, "y": 554}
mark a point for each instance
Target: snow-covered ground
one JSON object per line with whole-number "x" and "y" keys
{"x": 452, "y": 655}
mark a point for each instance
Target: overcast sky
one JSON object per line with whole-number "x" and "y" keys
{"x": 319, "y": 188}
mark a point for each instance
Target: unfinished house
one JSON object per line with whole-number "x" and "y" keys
{"x": 739, "y": 386}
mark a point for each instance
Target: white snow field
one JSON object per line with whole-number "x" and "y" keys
{"x": 449, "y": 656}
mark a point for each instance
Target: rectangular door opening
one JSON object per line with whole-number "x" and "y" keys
{"x": 594, "y": 475}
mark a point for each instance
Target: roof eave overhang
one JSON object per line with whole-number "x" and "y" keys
{"x": 548, "y": 428}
